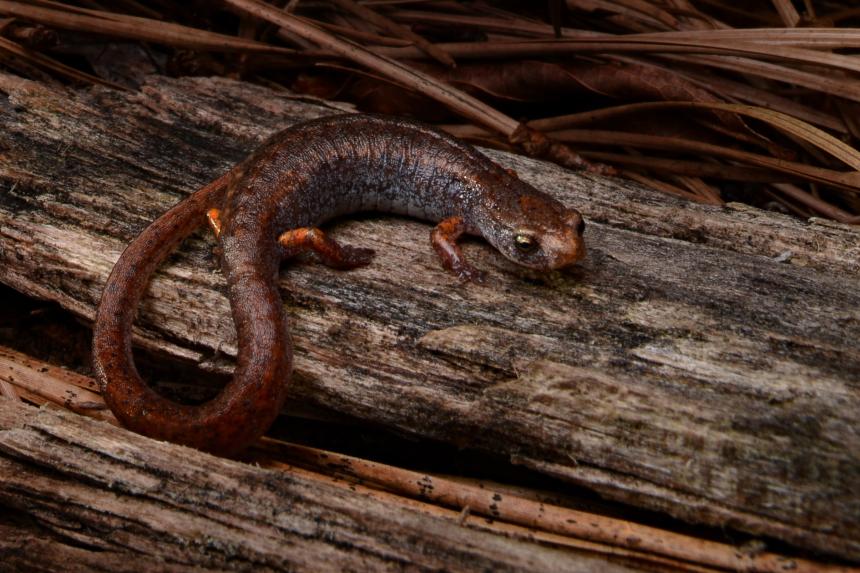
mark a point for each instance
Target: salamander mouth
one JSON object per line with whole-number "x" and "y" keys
{"x": 559, "y": 252}
{"x": 576, "y": 255}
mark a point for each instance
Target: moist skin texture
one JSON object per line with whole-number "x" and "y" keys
{"x": 267, "y": 209}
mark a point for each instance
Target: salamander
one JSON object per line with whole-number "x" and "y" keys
{"x": 268, "y": 208}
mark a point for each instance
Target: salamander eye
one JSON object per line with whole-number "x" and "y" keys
{"x": 580, "y": 227}
{"x": 525, "y": 243}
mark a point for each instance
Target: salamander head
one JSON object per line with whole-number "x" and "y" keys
{"x": 532, "y": 229}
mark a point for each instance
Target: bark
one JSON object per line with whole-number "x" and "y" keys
{"x": 702, "y": 362}
{"x": 132, "y": 504}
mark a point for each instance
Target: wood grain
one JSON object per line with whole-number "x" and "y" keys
{"x": 703, "y": 361}
{"x": 514, "y": 512}
{"x": 113, "y": 501}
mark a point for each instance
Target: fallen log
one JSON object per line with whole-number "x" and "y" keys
{"x": 703, "y": 361}
{"x": 133, "y": 504}
{"x": 527, "y": 515}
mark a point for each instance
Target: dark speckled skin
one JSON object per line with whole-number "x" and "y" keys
{"x": 301, "y": 177}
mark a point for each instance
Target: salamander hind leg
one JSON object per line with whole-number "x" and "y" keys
{"x": 444, "y": 240}
{"x": 330, "y": 252}
{"x": 213, "y": 217}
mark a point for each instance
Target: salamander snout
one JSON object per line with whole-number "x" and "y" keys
{"x": 550, "y": 247}
{"x": 546, "y": 236}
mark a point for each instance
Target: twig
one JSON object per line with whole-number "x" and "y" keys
{"x": 692, "y": 51}
{"x": 537, "y": 145}
{"x": 663, "y": 186}
{"x": 787, "y": 13}
{"x": 460, "y": 102}
{"x": 465, "y": 518}
{"x": 539, "y": 516}
{"x": 786, "y": 123}
{"x": 360, "y": 35}
{"x": 817, "y": 204}
{"x": 8, "y": 391}
{"x": 50, "y": 64}
{"x": 849, "y": 180}
{"x": 686, "y": 167}
{"x": 137, "y": 28}
{"x": 397, "y": 30}
{"x": 47, "y": 383}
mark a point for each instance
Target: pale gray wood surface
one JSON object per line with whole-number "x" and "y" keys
{"x": 682, "y": 367}
{"x": 114, "y": 501}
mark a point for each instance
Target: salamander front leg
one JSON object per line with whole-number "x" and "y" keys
{"x": 330, "y": 252}
{"x": 444, "y": 239}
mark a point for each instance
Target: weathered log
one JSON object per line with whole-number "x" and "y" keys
{"x": 133, "y": 504}
{"x": 515, "y": 512}
{"x": 703, "y": 361}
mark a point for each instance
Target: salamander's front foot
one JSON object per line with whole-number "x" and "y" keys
{"x": 444, "y": 240}
{"x": 330, "y": 252}
{"x": 468, "y": 273}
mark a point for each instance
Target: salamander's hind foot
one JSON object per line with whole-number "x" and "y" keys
{"x": 354, "y": 257}
{"x": 328, "y": 251}
{"x": 213, "y": 217}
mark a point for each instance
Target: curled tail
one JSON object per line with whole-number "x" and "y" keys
{"x": 249, "y": 403}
